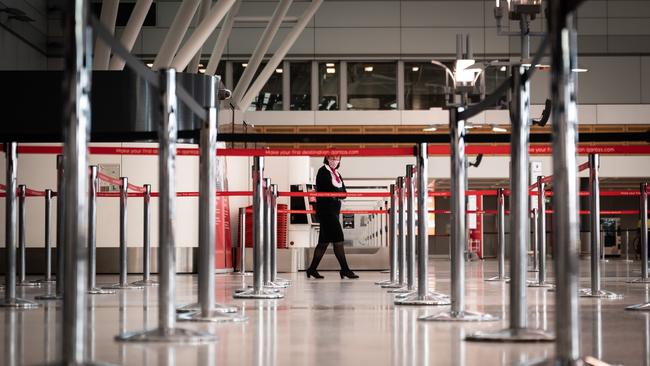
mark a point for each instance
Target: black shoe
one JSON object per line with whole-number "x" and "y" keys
{"x": 313, "y": 273}
{"x": 348, "y": 273}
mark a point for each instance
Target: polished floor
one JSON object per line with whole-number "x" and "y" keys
{"x": 337, "y": 322}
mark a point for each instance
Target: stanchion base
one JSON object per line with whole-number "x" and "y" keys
{"x": 391, "y": 285}
{"x": 429, "y": 299}
{"x": 401, "y": 290}
{"x": 282, "y": 280}
{"x": 512, "y": 335}
{"x": 379, "y": 283}
{"x": 275, "y": 285}
{"x": 123, "y": 286}
{"x": 498, "y": 279}
{"x": 639, "y": 307}
{"x": 19, "y": 304}
{"x": 193, "y": 308}
{"x": 174, "y": 335}
{"x": 639, "y": 280}
{"x": 145, "y": 283}
{"x": 583, "y": 361}
{"x": 214, "y": 316}
{"x": 601, "y": 294}
{"x": 28, "y": 284}
{"x": 401, "y": 295}
{"x": 43, "y": 280}
{"x": 246, "y": 274}
{"x": 462, "y": 316}
{"x": 49, "y": 297}
{"x": 258, "y": 294}
{"x": 547, "y": 285}
{"x": 99, "y": 291}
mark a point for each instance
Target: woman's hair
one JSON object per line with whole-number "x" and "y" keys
{"x": 326, "y": 162}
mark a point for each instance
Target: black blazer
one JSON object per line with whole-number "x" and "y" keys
{"x": 325, "y": 205}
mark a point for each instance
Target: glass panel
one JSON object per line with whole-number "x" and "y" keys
{"x": 328, "y": 86}
{"x": 424, "y": 85}
{"x": 494, "y": 77}
{"x": 270, "y": 97}
{"x": 300, "y": 88}
{"x": 372, "y": 86}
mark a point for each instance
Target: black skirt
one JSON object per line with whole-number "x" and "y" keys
{"x": 330, "y": 227}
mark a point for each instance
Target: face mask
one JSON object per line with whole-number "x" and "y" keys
{"x": 333, "y": 163}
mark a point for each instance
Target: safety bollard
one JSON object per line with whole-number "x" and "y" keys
{"x": 167, "y": 330}
{"x": 274, "y": 239}
{"x": 60, "y": 249}
{"x": 594, "y": 222}
{"x": 458, "y": 227}
{"x": 401, "y": 237}
{"x": 541, "y": 235}
{"x": 22, "y": 270}
{"x": 123, "y": 283}
{"x": 208, "y": 310}
{"x": 10, "y": 300}
{"x": 392, "y": 242}
{"x": 93, "y": 188}
{"x": 423, "y": 295}
{"x": 146, "y": 240}
{"x": 501, "y": 238}
{"x": 258, "y": 291}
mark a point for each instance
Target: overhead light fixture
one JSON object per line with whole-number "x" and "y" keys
{"x": 430, "y": 129}
{"x": 368, "y": 69}
{"x": 464, "y": 72}
{"x": 244, "y": 65}
{"x": 279, "y": 71}
{"x": 498, "y": 129}
{"x": 503, "y": 69}
{"x": 330, "y": 64}
{"x": 202, "y": 70}
{"x": 330, "y": 70}
{"x": 149, "y": 65}
{"x": 201, "y": 65}
{"x": 415, "y": 68}
{"x": 579, "y": 70}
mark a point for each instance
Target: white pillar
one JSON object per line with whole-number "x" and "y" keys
{"x": 193, "y": 67}
{"x": 102, "y": 52}
{"x": 222, "y": 40}
{"x": 131, "y": 31}
{"x": 175, "y": 34}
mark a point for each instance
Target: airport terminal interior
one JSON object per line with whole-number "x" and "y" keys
{"x": 324, "y": 182}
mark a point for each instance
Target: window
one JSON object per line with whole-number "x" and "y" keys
{"x": 372, "y": 86}
{"x": 300, "y": 87}
{"x": 270, "y": 97}
{"x": 328, "y": 86}
{"x": 424, "y": 85}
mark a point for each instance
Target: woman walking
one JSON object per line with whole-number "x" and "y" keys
{"x": 328, "y": 209}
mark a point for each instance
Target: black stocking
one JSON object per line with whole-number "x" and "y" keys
{"x": 318, "y": 255}
{"x": 339, "y": 251}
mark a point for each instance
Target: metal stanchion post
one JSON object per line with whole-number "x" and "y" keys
{"x": 627, "y": 247}
{"x": 423, "y": 296}
{"x": 409, "y": 181}
{"x": 207, "y": 309}
{"x": 643, "y": 216}
{"x": 47, "y": 237}
{"x": 392, "y": 242}
{"x": 168, "y": 129}
{"x": 594, "y": 223}
{"x": 258, "y": 291}
{"x": 10, "y": 300}
{"x": 123, "y": 283}
{"x": 274, "y": 239}
{"x": 60, "y": 248}
{"x": 93, "y": 185}
{"x": 269, "y": 241}
{"x": 501, "y": 237}
{"x": 242, "y": 242}
{"x": 541, "y": 235}
{"x": 146, "y": 240}
{"x": 533, "y": 240}
{"x": 458, "y": 227}
{"x": 401, "y": 237}
{"x": 643, "y": 236}
{"x": 22, "y": 280}
{"x": 519, "y": 219}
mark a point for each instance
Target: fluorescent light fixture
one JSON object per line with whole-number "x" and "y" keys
{"x": 368, "y": 69}
{"x": 415, "y": 68}
{"x": 503, "y": 69}
{"x": 543, "y": 66}
{"x": 202, "y": 70}
{"x": 150, "y": 65}
{"x": 201, "y": 65}
{"x": 279, "y": 71}
{"x": 330, "y": 64}
{"x": 430, "y": 129}
{"x": 244, "y": 65}
{"x": 330, "y": 70}
{"x": 498, "y": 129}
{"x": 579, "y": 70}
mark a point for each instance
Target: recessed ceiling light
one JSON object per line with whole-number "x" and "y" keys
{"x": 415, "y": 68}
{"x": 579, "y": 70}
{"x": 279, "y": 71}
{"x": 503, "y": 69}
{"x": 244, "y": 65}
{"x": 330, "y": 64}
{"x": 202, "y": 70}
{"x": 330, "y": 70}
{"x": 149, "y": 65}
{"x": 368, "y": 69}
